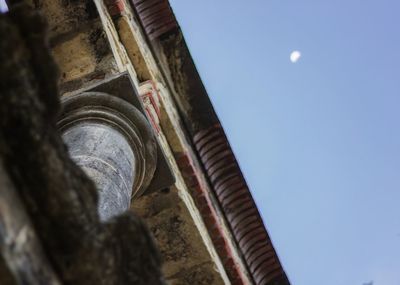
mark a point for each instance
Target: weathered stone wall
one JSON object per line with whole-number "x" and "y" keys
{"x": 90, "y": 45}
{"x": 186, "y": 259}
{"x": 51, "y": 232}
{"x": 79, "y": 43}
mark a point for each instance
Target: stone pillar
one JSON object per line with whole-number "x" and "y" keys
{"x": 113, "y": 143}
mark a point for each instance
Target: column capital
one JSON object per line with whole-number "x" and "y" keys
{"x": 114, "y": 144}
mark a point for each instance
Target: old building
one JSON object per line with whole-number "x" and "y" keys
{"x": 138, "y": 120}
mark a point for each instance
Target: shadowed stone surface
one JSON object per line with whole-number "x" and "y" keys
{"x": 60, "y": 201}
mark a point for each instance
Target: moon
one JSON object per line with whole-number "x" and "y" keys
{"x": 295, "y": 56}
{"x": 3, "y": 6}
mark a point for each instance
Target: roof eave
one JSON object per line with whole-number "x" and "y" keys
{"x": 210, "y": 142}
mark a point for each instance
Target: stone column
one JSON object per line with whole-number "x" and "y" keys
{"x": 113, "y": 143}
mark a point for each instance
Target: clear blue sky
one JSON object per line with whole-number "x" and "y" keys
{"x": 318, "y": 140}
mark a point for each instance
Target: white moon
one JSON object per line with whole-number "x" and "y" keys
{"x": 3, "y": 6}
{"x": 295, "y": 56}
